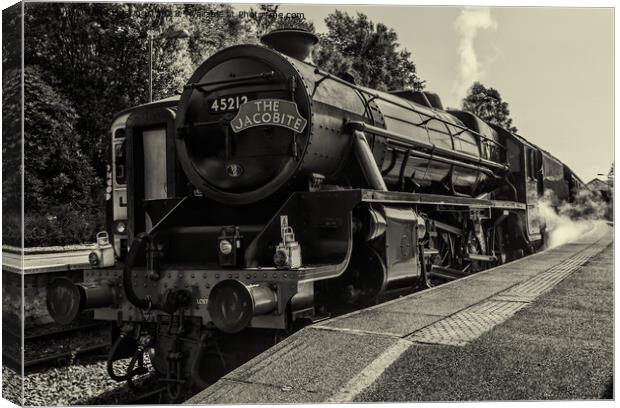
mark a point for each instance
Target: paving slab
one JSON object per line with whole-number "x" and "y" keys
{"x": 475, "y": 328}
{"x": 229, "y": 391}
{"x": 313, "y": 363}
{"x": 386, "y": 322}
{"x": 560, "y": 347}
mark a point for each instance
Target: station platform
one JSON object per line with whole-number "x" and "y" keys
{"x": 537, "y": 328}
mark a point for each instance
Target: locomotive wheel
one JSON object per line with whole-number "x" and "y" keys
{"x": 499, "y": 246}
{"x": 445, "y": 244}
{"x": 366, "y": 278}
{"x": 474, "y": 247}
{"x": 425, "y": 281}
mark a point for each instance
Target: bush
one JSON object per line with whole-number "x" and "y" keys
{"x": 60, "y": 225}
{"x": 60, "y": 185}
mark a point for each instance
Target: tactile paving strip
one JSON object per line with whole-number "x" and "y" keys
{"x": 540, "y": 284}
{"x": 465, "y": 326}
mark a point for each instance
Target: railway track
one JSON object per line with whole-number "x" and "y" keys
{"x": 53, "y": 347}
{"x": 26, "y": 272}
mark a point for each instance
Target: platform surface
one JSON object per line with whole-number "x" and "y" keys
{"x": 28, "y": 261}
{"x": 537, "y": 328}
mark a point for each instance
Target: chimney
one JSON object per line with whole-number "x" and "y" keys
{"x": 294, "y": 42}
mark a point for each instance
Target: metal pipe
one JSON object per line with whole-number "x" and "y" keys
{"x": 367, "y": 162}
{"x": 199, "y": 359}
{"x": 262, "y": 75}
{"x": 449, "y": 228}
{"x": 401, "y": 174}
{"x": 112, "y": 354}
{"x": 409, "y": 107}
{"x": 408, "y": 142}
{"x": 445, "y": 160}
{"x": 136, "y": 245}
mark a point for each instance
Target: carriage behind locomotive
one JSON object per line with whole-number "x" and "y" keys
{"x": 272, "y": 192}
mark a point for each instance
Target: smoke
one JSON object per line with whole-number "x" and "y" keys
{"x": 569, "y": 221}
{"x": 467, "y": 26}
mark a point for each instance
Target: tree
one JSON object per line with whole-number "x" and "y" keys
{"x": 213, "y": 27}
{"x": 268, "y": 18}
{"x": 11, "y": 126}
{"x": 59, "y": 182}
{"x": 487, "y": 104}
{"x": 99, "y": 54}
{"x": 371, "y": 51}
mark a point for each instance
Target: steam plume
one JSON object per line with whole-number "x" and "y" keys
{"x": 467, "y": 26}
{"x": 571, "y": 220}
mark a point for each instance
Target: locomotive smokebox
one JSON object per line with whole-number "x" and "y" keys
{"x": 244, "y": 125}
{"x": 66, "y": 299}
{"x": 294, "y": 42}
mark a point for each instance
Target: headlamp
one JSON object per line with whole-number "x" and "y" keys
{"x": 225, "y": 247}
{"x": 93, "y": 259}
{"x": 120, "y": 227}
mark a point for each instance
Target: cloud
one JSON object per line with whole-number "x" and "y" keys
{"x": 467, "y": 25}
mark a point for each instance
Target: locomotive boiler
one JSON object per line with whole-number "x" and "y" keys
{"x": 272, "y": 193}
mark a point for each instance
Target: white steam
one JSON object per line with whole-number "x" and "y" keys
{"x": 570, "y": 221}
{"x": 467, "y": 26}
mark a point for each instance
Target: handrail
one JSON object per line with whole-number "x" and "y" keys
{"x": 362, "y": 126}
{"x": 446, "y": 160}
{"x": 262, "y": 75}
{"x": 409, "y": 107}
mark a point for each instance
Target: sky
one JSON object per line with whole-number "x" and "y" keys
{"x": 554, "y": 67}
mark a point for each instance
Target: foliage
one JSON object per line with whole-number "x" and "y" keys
{"x": 11, "y": 140}
{"x": 268, "y": 17}
{"x": 100, "y": 51}
{"x": 368, "y": 49}
{"x": 213, "y": 27}
{"x": 60, "y": 225}
{"x": 11, "y": 37}
{"x": 98, "y": 54}
{"x": 11, "y": 125}
{"x": 59, "y": 182}
{"x": 487, "y": 104}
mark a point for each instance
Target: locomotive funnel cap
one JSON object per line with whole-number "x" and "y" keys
{"x": 294, "y": 42}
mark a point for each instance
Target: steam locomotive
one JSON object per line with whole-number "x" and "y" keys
{"x": 272, "y": 193}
